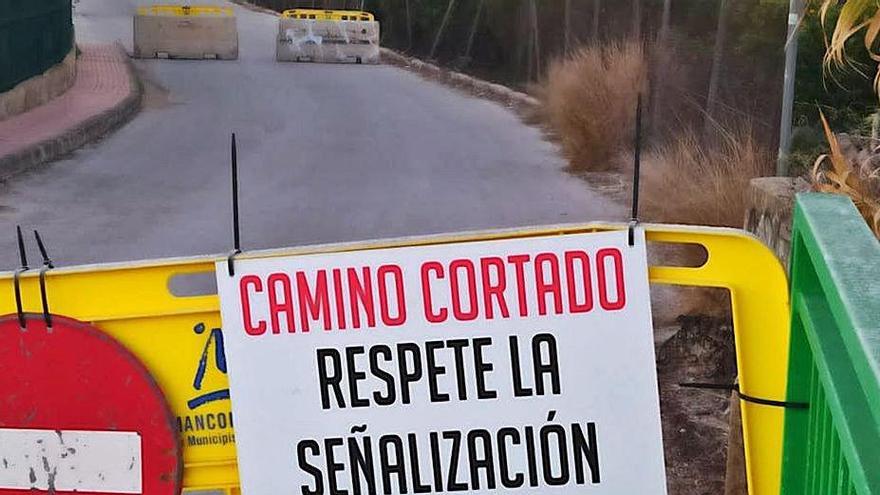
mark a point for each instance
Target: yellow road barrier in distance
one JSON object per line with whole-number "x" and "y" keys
{"x": 197, "y": 32}
{"x": 186, "y": 11}
{"x": 328, "y": 15}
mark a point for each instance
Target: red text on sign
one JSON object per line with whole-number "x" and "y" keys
{"x": 458, "y": 290}
{"x": 300, "y": 301}
{"x": 546, "y": 284}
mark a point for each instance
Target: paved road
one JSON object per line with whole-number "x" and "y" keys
{"x": 327, "y": 152}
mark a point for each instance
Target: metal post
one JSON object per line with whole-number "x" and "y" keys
{"x": 795, "y": 13}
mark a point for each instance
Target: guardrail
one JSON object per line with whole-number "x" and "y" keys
{"x": 833, "y": 447}
{"x": 34, "y": 36}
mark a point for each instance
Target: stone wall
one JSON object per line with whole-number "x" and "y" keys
{"x": 771, "y": 205}
{"x": 39, "y": 89}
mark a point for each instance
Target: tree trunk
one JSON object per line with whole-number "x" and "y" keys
{"x": 664, "y": 22}
{"x": 530, "y": 39}
{"x": 408, "y": 27}
{"x": 567, "y": 25}
{"x": 437, "y": 38}
{"x": 875, "y": 126}
{"x": 717, "y": 58}
{"x": 522, "y": 42}
{"x": 537, "y": 42}
{"x": 597, "y": 8}
{"x": 530, "y": 58}
{"x": 473, "y": 33}
{"x": 659, "y": 67}
{"x": 637, "y": 19}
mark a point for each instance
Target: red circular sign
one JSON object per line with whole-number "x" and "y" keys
{"x": 74, "y": 377}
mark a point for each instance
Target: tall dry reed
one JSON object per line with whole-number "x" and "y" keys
{"x": 589, "y": 100}
{"x": 698, "y": 181}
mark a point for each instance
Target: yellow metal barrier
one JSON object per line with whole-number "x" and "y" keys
{"x": 328, "y": 15}
{"x": 177, "y": 338}
{"x": 186, "y": 11}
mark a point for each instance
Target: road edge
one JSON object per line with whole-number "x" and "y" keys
{"x": 88, "y": 131}
{"x": 254, "y": 8}
{"x": 522, "y": 102}
{"x": 517, "y": 100}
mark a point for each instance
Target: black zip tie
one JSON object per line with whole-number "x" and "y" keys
{"x": 22, "y": 255}
{"x": 47, "y": 265}
{"x": 16, "y": 278}
{"x": 47, "y": 261}
{"x": 236, "y": 232}
{"x": 748, "y": 398}
{"x": 637, "y": 165}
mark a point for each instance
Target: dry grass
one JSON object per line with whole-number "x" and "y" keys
{"x": 697, "y": 181}
{"x": 703, "y": 182}
{"x": 851, "y": 170}
{"x": 589, "y": 101}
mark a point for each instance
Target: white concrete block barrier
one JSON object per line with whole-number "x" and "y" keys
{"x": 327, "y": 36}
{"x": 186, "y": 32}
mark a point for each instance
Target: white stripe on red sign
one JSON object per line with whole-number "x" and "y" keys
{"x": 82, "y": 461}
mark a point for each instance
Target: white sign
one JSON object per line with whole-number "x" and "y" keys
{"x": 522, "y": 365}
{"x": 70, "y": 461}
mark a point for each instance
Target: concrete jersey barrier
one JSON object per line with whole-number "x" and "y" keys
{"x": 170, "y": 31}
{"x": 327, "y": 36}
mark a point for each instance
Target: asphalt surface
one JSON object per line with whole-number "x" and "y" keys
{"x": 327, "y": 153}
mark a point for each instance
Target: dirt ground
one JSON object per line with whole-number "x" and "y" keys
{"x": 695, "y": 421}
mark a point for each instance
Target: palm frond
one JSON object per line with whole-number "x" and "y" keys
{"x": 837, "y": 173}
{"x": 853, "y": 17}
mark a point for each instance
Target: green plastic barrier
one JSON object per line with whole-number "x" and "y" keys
{"x": 833, "y": 446}
{"x": 34, "y": 36}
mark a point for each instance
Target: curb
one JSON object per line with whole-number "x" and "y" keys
{"x": 88, "y": 131}
{"x": 485, "y": 89}
{"x": 254, "y": 8}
